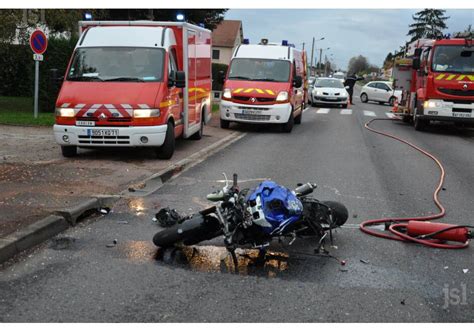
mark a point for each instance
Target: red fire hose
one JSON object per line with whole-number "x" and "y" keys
{"x": 418, "y": 229}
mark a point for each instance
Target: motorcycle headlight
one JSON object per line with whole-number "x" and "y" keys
{"x": 432, "y": 103}
{"x": 282, "y": 96}
{"x": 227, "y": 94}
{"x": 146, "y": 113}
{"x": 64, "y": 112}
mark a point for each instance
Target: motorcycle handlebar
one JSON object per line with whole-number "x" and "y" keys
{"x": 305, "y": 189}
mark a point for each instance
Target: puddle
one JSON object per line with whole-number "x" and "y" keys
{"x": 217, "y": 259}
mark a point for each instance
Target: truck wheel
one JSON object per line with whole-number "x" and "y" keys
{"x": 225, "y": 124}
{"x": 299, "y": 117}
{"x": 197, "y": 136}
{"x": 419, "y": 124}
{"x": 288, "y": 127}
{"x": 69, "y": 151}
{"x": 167, "y": 149}
{"x": 364, "y": 98}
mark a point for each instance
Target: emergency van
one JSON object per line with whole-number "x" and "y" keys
{"x": 135, "y": 84}
{"x": 437, "y": 81}
{"x": 264, "y": 84}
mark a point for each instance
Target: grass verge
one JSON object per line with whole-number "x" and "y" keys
{"x": 19, "y": 111}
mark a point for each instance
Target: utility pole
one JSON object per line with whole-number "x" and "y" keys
{"x": 312, "y": 56}
{"x": 320, "y": 57}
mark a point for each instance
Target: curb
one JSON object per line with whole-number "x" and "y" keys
{"x": 31, "y": 235}
{"x": 62, "y": 219}
{"x": 156, "y": 181}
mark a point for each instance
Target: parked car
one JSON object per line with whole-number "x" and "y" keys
{"x": 339, "y": 75}
{"x": 380, "y": 91}
{"x": 329, "y": 91}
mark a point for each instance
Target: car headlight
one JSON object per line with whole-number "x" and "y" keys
{"x": 146, "y": 113}
{"x": 282, "y": 96}
{"x": 227, "y": 94}
{"x": 65, "y": 112}
{"x": 432, "y": 103}
{"x": 318, "y": 92}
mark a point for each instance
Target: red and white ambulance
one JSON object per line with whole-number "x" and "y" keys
{"x": 135, "y": 84}
{"x": 264, "y": 84}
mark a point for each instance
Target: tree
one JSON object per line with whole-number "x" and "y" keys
{"x": 357, "y": 64}
{"x": 429, "y": 23}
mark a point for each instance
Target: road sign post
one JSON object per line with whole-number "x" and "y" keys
{"x": 38, "y": 43}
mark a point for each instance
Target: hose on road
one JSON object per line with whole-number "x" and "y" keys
{"x": 395, "y": 226}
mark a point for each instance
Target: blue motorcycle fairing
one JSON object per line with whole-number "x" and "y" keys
{"x": 280, "y": 206}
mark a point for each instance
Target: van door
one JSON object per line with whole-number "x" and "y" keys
{"x": 192, "y": 104}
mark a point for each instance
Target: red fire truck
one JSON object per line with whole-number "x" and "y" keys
{"x": 140, "y": 84}
{"x": 437, "y": 80}
{"x": 264, "y": 84}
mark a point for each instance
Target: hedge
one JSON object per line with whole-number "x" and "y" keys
{"x": 17, "y": 70}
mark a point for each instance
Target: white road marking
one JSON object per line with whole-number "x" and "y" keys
{"x": 369, "y": 113}
{"x": 346, "y": 112}
{"x": 323, "y": 111}
{"x": 307, "y": 108}
{"x": 390, "y": 115}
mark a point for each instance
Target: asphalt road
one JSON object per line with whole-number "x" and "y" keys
{"x": 80, "y": 277}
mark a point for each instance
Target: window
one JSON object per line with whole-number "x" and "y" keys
{"x": 216, "y": 54}
{"x": 268, "y": 70}
{"x": 372, "y": 85}
{"x": 172, "y": 63}
{"x": 382, "y": 86}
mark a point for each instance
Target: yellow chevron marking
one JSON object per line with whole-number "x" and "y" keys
{"x": 238, "y": 90}
{"x": 167, "y": 103}
{"x": 249, "y": 90}
{"x": 460, "y": 77}
{"x": 270, "y": 92}
{"x": 440, "y": 76}
{"x": 471, "y": 77}
{"x": 450, "y": 77}
{"x": 260, "y": 91}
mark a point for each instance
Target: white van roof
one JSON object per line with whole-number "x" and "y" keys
{"x": 277, "y": 52}
{"x": 127, "y": 36}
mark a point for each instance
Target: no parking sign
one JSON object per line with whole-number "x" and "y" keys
{"x": 39, "y": 44}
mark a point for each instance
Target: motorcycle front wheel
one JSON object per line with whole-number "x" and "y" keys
{"x": 191, "y": 231}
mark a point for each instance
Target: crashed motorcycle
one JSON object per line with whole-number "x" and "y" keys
{"x": 252, "y": 218}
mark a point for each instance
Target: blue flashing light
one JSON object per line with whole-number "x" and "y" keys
{"x": 88, "y": 16}
{"x": 284, "y": 43}
{"x": 246, "y": 41}
{"x": 180, "y": 17}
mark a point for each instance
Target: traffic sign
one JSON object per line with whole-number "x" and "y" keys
{"x": 38, "y": 42}
{"x": 38, "y": 57}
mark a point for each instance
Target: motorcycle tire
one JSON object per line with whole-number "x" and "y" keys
{"x": 192, "y": 231}
{"x": 339, "y": 212}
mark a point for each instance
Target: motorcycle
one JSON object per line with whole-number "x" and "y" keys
{"x": 253, "y": 218}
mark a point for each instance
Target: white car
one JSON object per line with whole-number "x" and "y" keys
{"x": 380, "y": 91}
{"x": 340, "y": 76}
{"x": 329, "y": 91}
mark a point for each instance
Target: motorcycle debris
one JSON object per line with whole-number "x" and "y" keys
{"x": 154, "y": 219}
{"x": 354, "y": 215}
{"x": 446, "y": 267}
{"x": 364, "y": 261}
{"x": 344, "y": 270}
{"x": 104, "y": 210}
{"x": 402, "y": 302}
{"x": 123, "y": 222}
{"x": 113, "y": 244}
{"x": 334, "y": 246}
{"x": 465, "y": 270}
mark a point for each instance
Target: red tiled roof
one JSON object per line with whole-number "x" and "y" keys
{"x": 226, "y": 33}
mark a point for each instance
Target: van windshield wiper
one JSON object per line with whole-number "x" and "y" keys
{"x": 85, "y": 78}
{"x": 240, "y": 78}
{"x": 264, "y": 79}
{"x": 124, "y": 79}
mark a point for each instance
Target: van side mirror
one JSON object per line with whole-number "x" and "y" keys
{"x": 180, "y": 79}
{"x": 416, "y": 63}
{"x": 297, "y": 81}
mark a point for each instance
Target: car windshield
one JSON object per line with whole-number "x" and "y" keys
{"x": 119, "y": 64}
{"x": 328, "y": 83}
{"x": 260, "y": 70}
{"x": 453, "y": 59}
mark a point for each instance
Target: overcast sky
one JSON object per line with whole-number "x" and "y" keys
{"x": 348, "y": 32}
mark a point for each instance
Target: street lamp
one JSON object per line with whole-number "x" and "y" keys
{"x": 312, "y": 52}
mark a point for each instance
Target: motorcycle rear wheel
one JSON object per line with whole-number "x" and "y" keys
{"x": 192, "y": 231}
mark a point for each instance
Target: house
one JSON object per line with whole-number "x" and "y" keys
{"x": 225, "y": 38}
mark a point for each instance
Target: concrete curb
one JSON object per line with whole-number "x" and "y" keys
{"x": 156, "y": 181}
{"x": 31, "y": 236}
{"x": 61, "y": 220}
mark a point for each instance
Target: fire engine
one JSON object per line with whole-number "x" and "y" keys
{"x": 437, "y": 80}
{"x": 135, "y": 84}
{"x": 264, "y": 84}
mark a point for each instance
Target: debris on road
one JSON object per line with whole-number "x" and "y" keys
{"x": 465, "y": 270}
{"x": 123, "y": 222}
{"x": 105, "y": 210}
{"x": 113, "y": 244}
{"x": 364, "y": 261}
